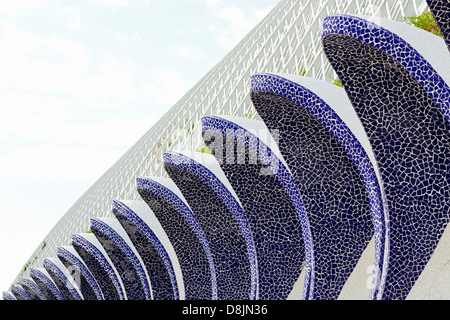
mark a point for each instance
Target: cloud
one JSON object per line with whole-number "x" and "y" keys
{"x": 186, "y": 51}
{"x": 11, "y": 7}
{"x": 114, "y": 4}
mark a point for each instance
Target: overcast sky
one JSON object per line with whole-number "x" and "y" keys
{"x": 80, "y": 82}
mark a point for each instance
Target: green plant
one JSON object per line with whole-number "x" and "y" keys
{"x": 336, "y": 82}
{"x": 424, "y": 21}
{"x": 249, "y": 114}
{"x": 204, "y": 149}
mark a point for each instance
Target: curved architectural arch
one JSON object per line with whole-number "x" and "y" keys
{"x": 8, "y": 296}
{"x": 32, "y": 289}
{"x": 215, "y": 205}
{"x": 124, "y": 256}
{"x": 46, "y": 283}
{"x": 322, "y": 151}
{"x": 185, "y": 234}
{"x": 440, "y": 10}
{"x": 396, "y": 77}
{"x": 18, "y": 291}
{"x": 62, "y": 279}
{"x": 99, "y": 264}
{"x": 264, "y": 185}
{"x": 154, "y": 248}
{"x": 86, "y": 282}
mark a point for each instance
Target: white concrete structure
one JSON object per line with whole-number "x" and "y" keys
{"x": 287, "y": 40}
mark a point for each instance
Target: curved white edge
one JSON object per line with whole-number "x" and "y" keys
{"x": 71, "y": 282}
{"x": 47, "y": 275}
{"x": 114, "y": 224}
{"x": 94, "y": 241}
{"x": 259, "y": 129}
{"x": 169, "y": 184}
{"x": 146, "y": 214}
{"x": 430, "y": 46}
{"x": 209, "y": 162}
{"x": 73, "y": 252}
{"x": 29, "y": 282}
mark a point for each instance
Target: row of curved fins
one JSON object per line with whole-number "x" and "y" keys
{"x": 338, "y": 193}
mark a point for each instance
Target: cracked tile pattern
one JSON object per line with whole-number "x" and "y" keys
{"x": 151, "y": 251}
{"x": 441, "y": 12}
{"x": 89, "y": 249}
{"x": 223, "y": 223}
{"x": 264, "y": 187}
{"x": 337, "y": 225}
{"x": 127, "y": 264}
{"x": 407, "y": 124}
{"x": 44, "y": 281}
{"x": 185, "y": 234}
{"x": 86, "y": 281}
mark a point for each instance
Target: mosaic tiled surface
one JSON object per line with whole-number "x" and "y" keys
{"x": 337, "y": 224}
{"x": 8, "y": 296}
{"x": 268, "y": 195}
{"x": 89, "y": 287}
{"x": 222, "y": 220}
{"x": 127, "y": 263}
{"x": 151, "y": 250}
{"x": 45, "y": 282}
{"x": 441, "y": 13}
{"x": 101, "y": 267}
{"x": 19, "y": 292}
{"x": 32, "y": 289}
{"x": 185, "y": 234}
{"x": 390, "y": 86}
{"x": 62, "y": 279}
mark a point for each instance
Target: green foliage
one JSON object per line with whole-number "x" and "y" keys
{"x": 337, "y": 82}
{"x": 204, "y": 149}
{"x": 251, "y": 114}
{"x": 302, "y": 72}
{"x": 424, "y": 21}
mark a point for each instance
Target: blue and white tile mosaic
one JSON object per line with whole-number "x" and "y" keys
{"x": 32, "y": 289}
{"x": 403, "y": 104}
{"x": 185, "y": 234}
{"x": 8, "y": 296}
{"x": 153, "y": 252}
{"x": 269, "y": 197}
{"x": 19, "y": 292}
{"x": 62, "y": 279}
{"x": 82, "y": 276}
{"x": 440, "y": 10}
{"x": 321, "y": 151}
{"x": 119, "y": 248}
{"x": 46, "y": 283}
{"x": 99, "y": 264}
{"x": 223, "y": 221}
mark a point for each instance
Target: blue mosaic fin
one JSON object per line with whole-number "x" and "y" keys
{"x": 100, "y": 265}
{"x": 333, "y": 174}
{"x": 249, "y": 158}
{"x": 223, "y": 221}
{"x": 154, "y": 248}
{"x": 62, "y": 279}
{"x": 441, "y": 12}
{"x": 185, "y": 234}
{"x": 46, "y": 283}
{"x": 124, "y": 256}
{"x": 399, "y": 90}
{"x": 32, "y": 289}
{"x": 80, "y": 273}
